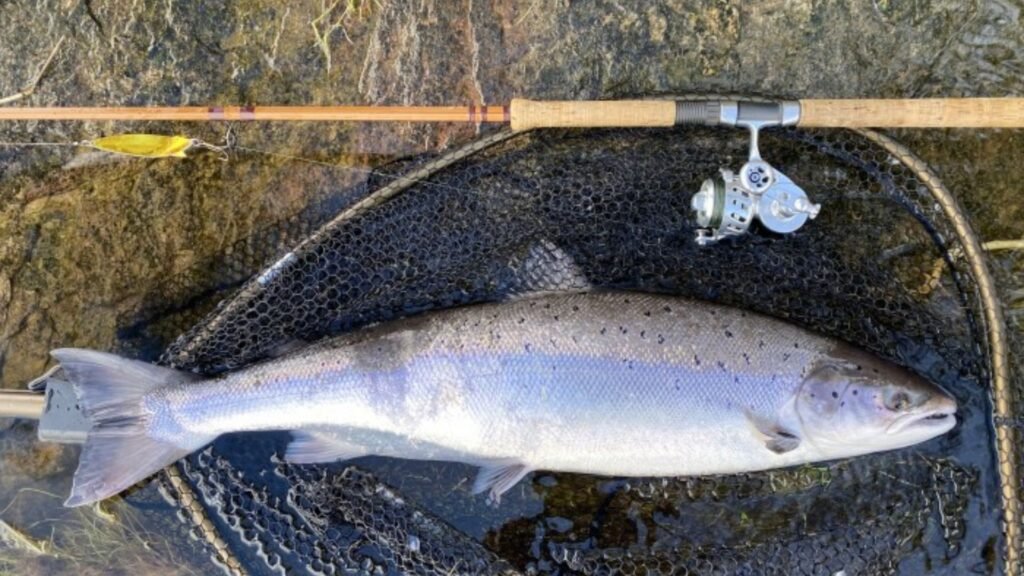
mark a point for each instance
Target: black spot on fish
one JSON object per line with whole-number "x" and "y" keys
{"x": 604, "y": 331}
{"x": 728, "y": 334}
{"x": 812, "y": 395}
{"x": 746, "y": 358}
{"x": 575, "y": 308}
{"x": 760, "y": 344}
{"x": 667, "y": 308}
{"x": 785, "y": 356}
{"x": 843, "y": 403}
{"x": 855, "y": 392}
{"x": 796, "y": 345}
{"x": 556, "y": 317}
{"x": 527, "y": 346}
{"x": 721, "y": 364}
{"x": 696, "y": 360}
{"x": 647, "y": 313}
{"x": 661, "y": 339}
{"x": 643, "y": 333}
{"x": 623, "y": 330}
{"x": 835, "y": 394}
{"x": 521, "y": 320}
{"x": 736, "y": 379}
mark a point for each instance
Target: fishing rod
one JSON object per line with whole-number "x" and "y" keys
{"x": 522, "y": 114}
{"x": 726, "y": 205}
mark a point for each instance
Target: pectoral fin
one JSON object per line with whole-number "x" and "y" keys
{"x": 313, "y": 447}
{"x": 777, "y": 438}
{"x": 783, "y": 443}
{"x": 499, "y": 477}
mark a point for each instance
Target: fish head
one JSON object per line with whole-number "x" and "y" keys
{"x": 853, "y": 403}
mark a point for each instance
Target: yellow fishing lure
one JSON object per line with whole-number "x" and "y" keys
{"x": 145, "y": 145}
{"x": 138, "y": 145}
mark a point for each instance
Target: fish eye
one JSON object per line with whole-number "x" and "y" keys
{"x": 898, "y": 402}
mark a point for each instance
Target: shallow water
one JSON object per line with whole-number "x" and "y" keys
{"x": 88, "y": 243}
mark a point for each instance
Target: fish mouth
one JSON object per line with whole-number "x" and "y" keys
{"x": 936, "y": 420}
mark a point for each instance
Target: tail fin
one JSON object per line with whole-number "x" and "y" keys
{"x": 117, "y": 453}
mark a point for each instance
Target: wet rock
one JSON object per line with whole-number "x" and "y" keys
{"x": 84, "y": 249}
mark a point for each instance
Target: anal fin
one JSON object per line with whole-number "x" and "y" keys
{"x": 314, "y": 447}
{"x": 499, "y": 477}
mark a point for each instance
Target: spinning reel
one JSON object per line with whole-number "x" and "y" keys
{"x": 729, "y": 203}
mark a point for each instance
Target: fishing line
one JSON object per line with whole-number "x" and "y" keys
{"x": 441, "y": 186}
{"x": 28, "y": 144}
{"x": 163, "y": 146}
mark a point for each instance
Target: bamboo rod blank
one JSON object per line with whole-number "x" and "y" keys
{"x": 913, "y": 113}
{"x": 473, "y": 114}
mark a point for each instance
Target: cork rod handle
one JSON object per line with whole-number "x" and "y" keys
{"x": 913, "y": 113}
{"x": 529, "y": 114}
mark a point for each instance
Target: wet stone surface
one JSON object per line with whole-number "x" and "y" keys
{"x": 71, "y": 218}
{"x": 126, "y": 254}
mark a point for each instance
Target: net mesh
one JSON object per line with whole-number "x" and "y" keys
{"x": 881, "y": 267}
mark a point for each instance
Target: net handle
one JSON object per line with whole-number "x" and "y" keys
{"x": 21, "y": 404}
